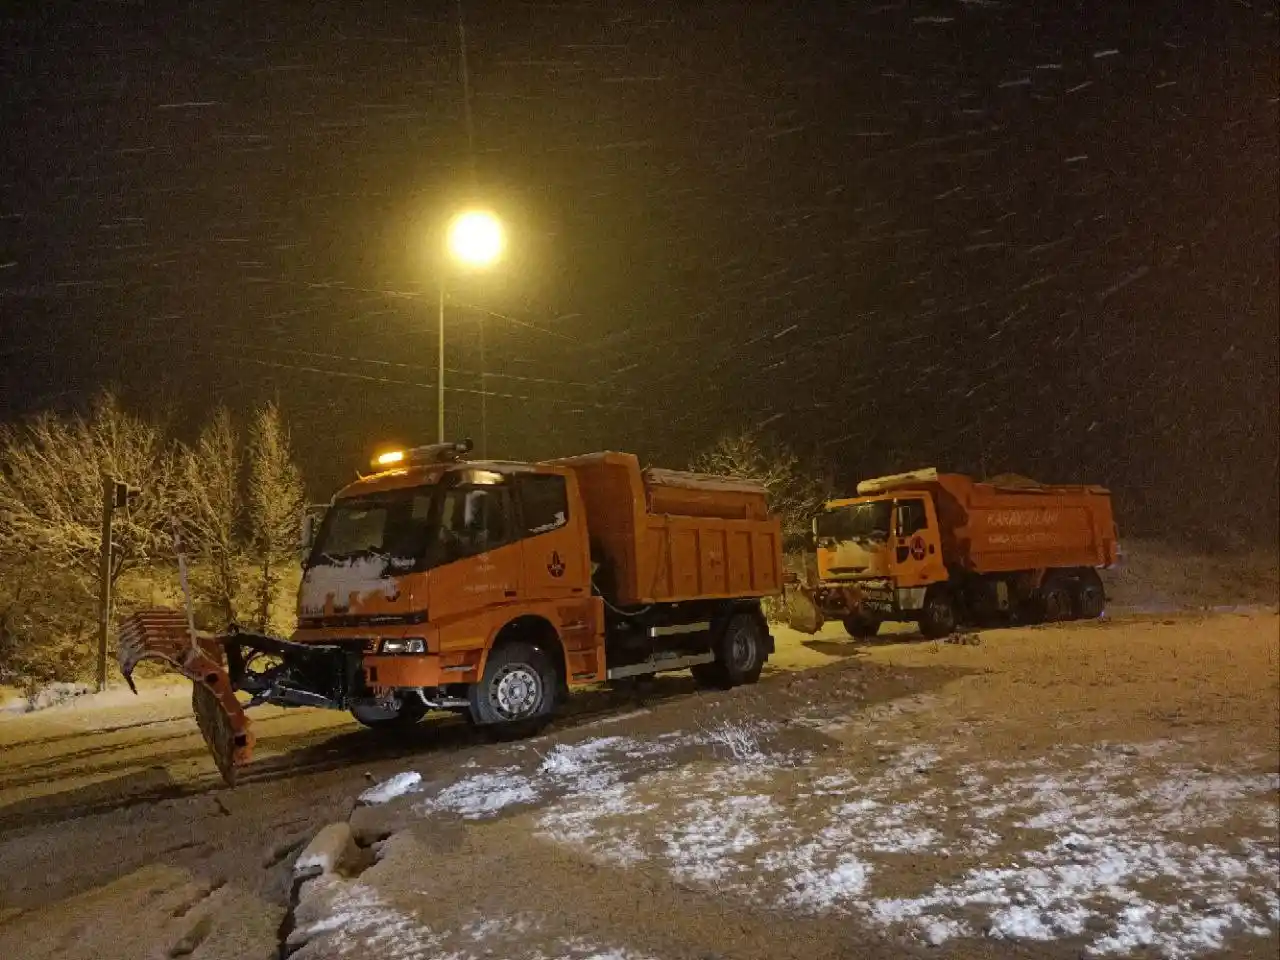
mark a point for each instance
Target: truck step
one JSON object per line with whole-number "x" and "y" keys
{"x": 656, "y": 664}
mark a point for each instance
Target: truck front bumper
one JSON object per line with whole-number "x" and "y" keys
{"x": 880, "y": 597}
{"x": 403, "y": 670}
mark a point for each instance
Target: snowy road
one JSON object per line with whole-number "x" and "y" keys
{"x": 1095, "y": 789}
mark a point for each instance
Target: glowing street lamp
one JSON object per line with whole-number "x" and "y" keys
{"x": 475, "y": 240}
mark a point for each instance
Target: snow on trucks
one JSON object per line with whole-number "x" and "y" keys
{"x": 942, "y": 549}
{"x": 489, "y": 589}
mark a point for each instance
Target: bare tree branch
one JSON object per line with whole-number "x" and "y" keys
{"x": 275, "y": 504}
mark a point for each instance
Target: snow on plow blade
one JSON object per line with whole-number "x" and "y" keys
{"x": 164, "y": 635}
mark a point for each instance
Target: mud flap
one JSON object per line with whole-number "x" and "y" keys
{"x": 164, "y": 636}
{"x": 803, "y": 614}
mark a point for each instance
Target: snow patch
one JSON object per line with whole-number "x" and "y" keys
{"x": 50, "y": 695}
{"x": 484, "y": 794}
{"x": 388, "y": 790}
{"x": 342, "y": 581}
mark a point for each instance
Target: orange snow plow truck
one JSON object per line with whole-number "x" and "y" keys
{"x": 489, "y": 589}
{"x": 942, "y": 549}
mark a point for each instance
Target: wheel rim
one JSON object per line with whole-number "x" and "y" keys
{"x": 516, "y": 691}
{"x": 742, "y": 649}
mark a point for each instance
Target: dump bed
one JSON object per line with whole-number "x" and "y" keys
{"x": 664, "y": 536}
{"x": 1013, "y": 523}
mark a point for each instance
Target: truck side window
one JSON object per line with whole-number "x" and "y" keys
{"x": 472, "y": 520}
{"x": 544, "y": 502}
{"x": 912, "y": 517}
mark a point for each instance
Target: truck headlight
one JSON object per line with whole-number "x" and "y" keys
{"x": 414, "y": 645}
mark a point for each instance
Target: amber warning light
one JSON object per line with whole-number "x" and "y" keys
{"x": 389, "y": 459}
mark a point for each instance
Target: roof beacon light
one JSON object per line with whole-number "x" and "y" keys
{"x": 437, "y": 453}
{"x": 389, "y": 459}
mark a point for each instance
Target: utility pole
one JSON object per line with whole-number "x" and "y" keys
{"x": 440, "y": 370}
{"x": 104, "y": 578}
{"x": 116, "y": 495}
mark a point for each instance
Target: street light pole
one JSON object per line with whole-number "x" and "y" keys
{"x": 474, "y": 239}
{"x": 484, "y": 399}
{"x": 440, "y": 369}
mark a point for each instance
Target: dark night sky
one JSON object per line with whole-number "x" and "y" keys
{"x": 894, "y": 234}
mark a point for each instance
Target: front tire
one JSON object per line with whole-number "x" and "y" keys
{"x": 518, "y": 693}
{"x": 404, "y": 717}
{"x": 938, "y": 618}
{"x": 861, "y": 627}
{"x": 740, "y": 654}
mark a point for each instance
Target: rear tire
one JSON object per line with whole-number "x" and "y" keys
{"x": 938, "y": 618}
{"x": 410, "y": 711}
{"x": 1091, "y": 598}
{"x": 741, "y": 651}
{"x": 861, "y": 627}
{"x": 1056, "y": 603}
{"x": 518, "y": 693}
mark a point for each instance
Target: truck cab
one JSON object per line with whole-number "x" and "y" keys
{"x": 417, "y": 569}
{"x": 876, "y": 557}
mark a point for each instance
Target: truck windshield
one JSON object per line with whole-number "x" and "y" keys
{"x": 414, "y": 529}
{"x": 394, "y": 525}
{"x": 857, "y": 521}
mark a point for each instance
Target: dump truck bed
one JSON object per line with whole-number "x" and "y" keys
{"x": 668, "y": 536}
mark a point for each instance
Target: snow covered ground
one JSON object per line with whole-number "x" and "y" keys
{"x": 1025, "y": 828}
{"x": 1110, "y": 846}
{"x": 1104, "y": 789}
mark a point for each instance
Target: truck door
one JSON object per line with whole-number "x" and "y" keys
{"x": 476, "y": 554}
{"x": 917, "y": 548}
{"x": 557, "y": 568}
{"x": 553, "y": 539}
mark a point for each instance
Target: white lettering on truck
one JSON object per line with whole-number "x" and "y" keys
{"x": 1022, "y": 518}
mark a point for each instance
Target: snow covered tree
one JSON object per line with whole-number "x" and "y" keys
{"x": 275, "y": 505}
{"x": 796, "y": 492}
{"x": 214, "y": 509}
{"x": 52, "y": 471}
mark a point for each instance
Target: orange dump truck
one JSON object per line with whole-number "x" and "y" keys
{"x": 489, "y": 589}
{"x": 942, "y": 549}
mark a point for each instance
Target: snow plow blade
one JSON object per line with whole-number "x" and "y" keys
{"x": 803, "y": 614}
{"x": 164, "y": 635}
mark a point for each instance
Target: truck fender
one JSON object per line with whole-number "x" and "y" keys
{"x": 531, "y": 627}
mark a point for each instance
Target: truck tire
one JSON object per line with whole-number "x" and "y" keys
{"x": 518, "y": 693}
{"x": 938, "y": 617}
{"x": 861, "y": 627}
{"x": 411, "y": 710}
{"x": 1055, "y": 600}
{"x": 1091, "y": 598}
{"x": 740, "y": 655}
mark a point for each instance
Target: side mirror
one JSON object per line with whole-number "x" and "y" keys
{"x": 308, "y": 533}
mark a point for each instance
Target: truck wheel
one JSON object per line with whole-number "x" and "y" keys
{"x": 938, "y": 618}
{"x": 1091, "y": 599}
{"x": 1055, "y": 600}
{"x": 740, "y": 655}
{"x": 861, "y": 627}
{"x": 407, "y": 715}
{"x": 518, "y": 692}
